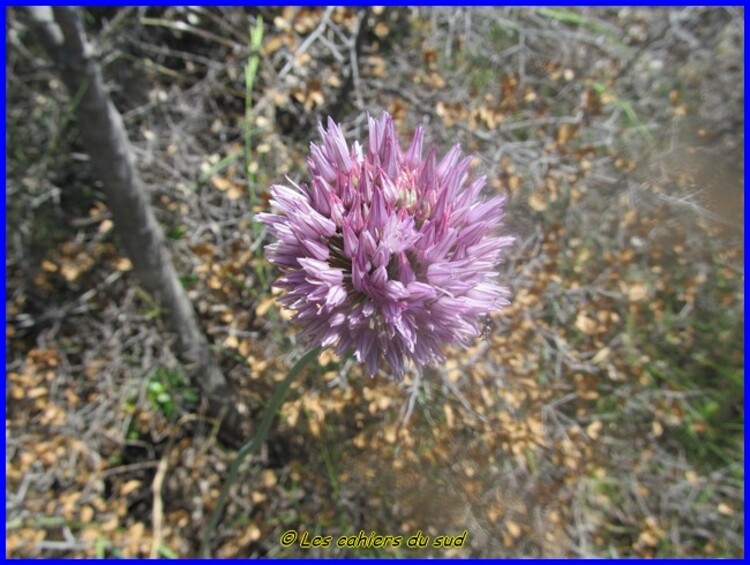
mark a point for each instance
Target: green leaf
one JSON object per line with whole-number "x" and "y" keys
{"x": 166, "y": 552}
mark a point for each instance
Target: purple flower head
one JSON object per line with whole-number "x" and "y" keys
{"x": 385, "y": 252}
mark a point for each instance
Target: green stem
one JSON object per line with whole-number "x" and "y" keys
{"x": 251, "y": 69}
{"x": 256, "y": 42}
{"x": 252, "y": 445}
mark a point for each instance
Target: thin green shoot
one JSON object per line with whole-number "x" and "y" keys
{"x": 253, "y": 61}
{"x": 256, "y": 39}
{"x": 67, "y": 118}
{"x": 576, "y": 18}
{"x": 628, "y": 111}
{"x": 217, "y": 168}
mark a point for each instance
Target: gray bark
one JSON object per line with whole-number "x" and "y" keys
{"x": 106, "y": 141}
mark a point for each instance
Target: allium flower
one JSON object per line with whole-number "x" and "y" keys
{"x": 386, "y": 253}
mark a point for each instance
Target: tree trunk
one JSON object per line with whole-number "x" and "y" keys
{"x": 106, "y": 142}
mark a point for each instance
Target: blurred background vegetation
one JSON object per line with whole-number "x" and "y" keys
{"x": 601, "y": 415}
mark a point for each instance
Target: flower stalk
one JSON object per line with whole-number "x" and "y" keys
{"x": 265, "y": 426}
